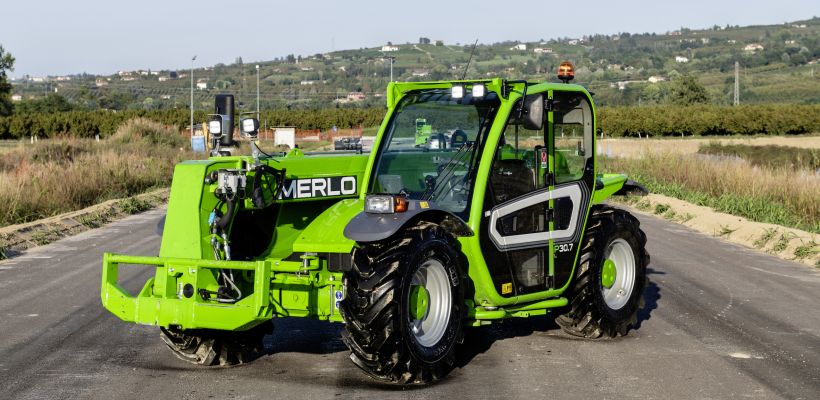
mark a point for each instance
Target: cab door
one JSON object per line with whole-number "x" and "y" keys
{"x": 571, "y": 177}
{"x": 538, "y": 196}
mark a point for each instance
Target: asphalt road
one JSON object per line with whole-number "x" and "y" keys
{"x": 721, "y": 322}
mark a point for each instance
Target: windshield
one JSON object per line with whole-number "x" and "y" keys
{"x": 431, "y": 147}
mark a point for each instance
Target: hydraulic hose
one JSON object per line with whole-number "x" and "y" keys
{"x": 256, "y": 193}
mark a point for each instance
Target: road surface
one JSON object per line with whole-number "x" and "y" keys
{"x": 721, "y": 322}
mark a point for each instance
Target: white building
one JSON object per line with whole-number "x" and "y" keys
{"x": 752, "y": 47}
{"x": 390, "y": 47}
{"x": 16, "y": 97}
{"x": 520, "y": 46}
{"x": 656, "y": 79}
{"x": 542, "y": 50}
{"x": 202, "y": 85}
{"x": 681, "y": 59}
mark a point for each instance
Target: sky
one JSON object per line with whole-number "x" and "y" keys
{"x": 104, "y": 36}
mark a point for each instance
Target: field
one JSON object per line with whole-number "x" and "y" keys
{"x": 742, "y": 184}
{"x": 60, "y": 175}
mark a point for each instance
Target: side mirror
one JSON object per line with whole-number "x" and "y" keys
{"x": 250, "y": 127}
{"x": 532, "y": 117}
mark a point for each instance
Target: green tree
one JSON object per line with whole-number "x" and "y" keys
{"x": 50, "y": 104}
{"x": 6, "y": 63}
{"x": 686, "y": 90}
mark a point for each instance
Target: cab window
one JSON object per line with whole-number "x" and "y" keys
{"x": 573, "y": 130}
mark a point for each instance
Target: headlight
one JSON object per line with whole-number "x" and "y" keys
{"x": 458, "y": 92}
{"x": 478, "y": 90}
{"x": 250, "y": 126}
{"x": 215, "y": 127}
{"x": 384, "y": 204}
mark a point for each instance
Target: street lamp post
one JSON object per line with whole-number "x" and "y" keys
{"x": 192, "y": 95}
{"x": 391, "y": 67}
{"x": 257, "y": 91}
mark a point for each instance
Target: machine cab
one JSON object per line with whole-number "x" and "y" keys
{"x": 538, "y": 193}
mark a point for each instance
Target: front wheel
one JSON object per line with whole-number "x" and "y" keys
{"x": 210, "y": 347}
{"x": 610, "y": 277}
{"x": 405, "y": 305}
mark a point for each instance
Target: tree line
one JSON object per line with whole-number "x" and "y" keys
{"x": 659, "y": 120}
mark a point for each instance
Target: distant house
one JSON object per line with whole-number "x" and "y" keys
{"x": 573, "y": 42}
{"x": 163, "y": 78}
{"x": 390, "y": 47}
{"x": 165, "y": 97}
{"x": 520, "y": 46}
{"x": 355, "y": 96}
{"x": 752, "y": 47}
{"x": 622, "y": 84}
{"x": 790, "y": 42}
{"x": 542, "y": 50}
{"x": 731, "y": 41}
{"x": 202, "y": 85}
{"x": 100, "y": 82}
{"x": 420, "y": 72}
{"x": 424, "y": 40}
{"x": 656, "y": 79}
{"x": 681, "y": 59}
{"x": 16, "y": 97}
{"x": 306, "y": 83}
{"x": 128, "y": 78}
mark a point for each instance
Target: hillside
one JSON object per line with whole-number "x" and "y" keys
{"x": 778, "y": 63}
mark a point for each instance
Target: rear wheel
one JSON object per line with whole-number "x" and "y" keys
{"x": 405, "y": 305}
{"x": 213, "y": 347}
{"x": 610, "y": 278}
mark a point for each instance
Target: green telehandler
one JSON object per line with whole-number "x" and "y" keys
{"x": 407, "y": 246}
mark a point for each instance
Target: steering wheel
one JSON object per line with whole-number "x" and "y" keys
{"x": 458, "y": 139}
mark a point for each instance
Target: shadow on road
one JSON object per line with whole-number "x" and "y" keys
{"x": 304, "y": 335}
{"x": 651, "y": 295}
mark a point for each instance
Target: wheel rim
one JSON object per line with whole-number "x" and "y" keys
{"x": 430, "y": 301}
{"x": 620, "y": 288}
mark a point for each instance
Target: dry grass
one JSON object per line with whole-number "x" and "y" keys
{"x": 63, "y": 175}
{"x": 777, "y": 196}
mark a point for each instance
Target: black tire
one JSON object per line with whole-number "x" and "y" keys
{"x": 377, "y": 312}
{"x": 588, "y": 315}
{"x": 213, "y": 347}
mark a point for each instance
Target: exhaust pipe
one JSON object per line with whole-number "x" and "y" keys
{"x": 224, "y": 106}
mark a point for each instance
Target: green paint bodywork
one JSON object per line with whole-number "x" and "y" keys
{"x": 418, "y": 302}
{"x": 292, "y": 277}
{"x": 608, "y": 273}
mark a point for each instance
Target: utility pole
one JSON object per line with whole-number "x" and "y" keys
{"x": 737, "y": 83}
{"x": 192, "y": 95}
{"x": 257, "y": 91}
{"x": 391, "y": 58}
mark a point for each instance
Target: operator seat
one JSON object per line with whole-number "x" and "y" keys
{"x": 511, "y": 178}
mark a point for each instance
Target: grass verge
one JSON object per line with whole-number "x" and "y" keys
{"x": 63, "y": 175}
{"x": 780, "y": 196}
